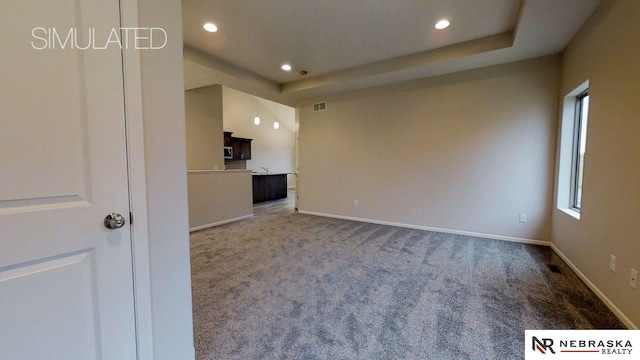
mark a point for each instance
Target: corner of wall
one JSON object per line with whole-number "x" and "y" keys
{"x": 166, "y": 174}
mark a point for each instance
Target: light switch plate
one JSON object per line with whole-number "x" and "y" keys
{"x": 612, "y": 263}
{"x": 523, "y": 218}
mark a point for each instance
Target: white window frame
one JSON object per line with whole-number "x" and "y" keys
{"x": 579, "y": 141}
{"x": 567, "y": 181}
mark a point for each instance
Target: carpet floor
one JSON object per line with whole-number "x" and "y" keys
{"x": 293, "y": 286}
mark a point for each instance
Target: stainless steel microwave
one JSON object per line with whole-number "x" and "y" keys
{"x": 228, "y": 152}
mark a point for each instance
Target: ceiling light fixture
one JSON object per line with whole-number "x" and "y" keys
{"x": 286, "y": 67}
{"x": 276, "y": 125}
{"x": 210, "y": 27}
{"x": 256, "y": 120}
{"x": 442, "y": 24}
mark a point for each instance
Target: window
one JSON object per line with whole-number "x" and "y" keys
{"x": 573, "y": 147}
{"x": 579, "y": 148}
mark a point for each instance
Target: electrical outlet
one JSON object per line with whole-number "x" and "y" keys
{"x": 356, "y": 203}
{"x": 523, "y": 218}
{"x": 633, "y": 280}
{"x": 612, "y": 263}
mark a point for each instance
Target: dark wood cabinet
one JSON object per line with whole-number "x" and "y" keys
{"x": 237, "y": 149}
{"x": 241, "y": 146}
{"x": 246, "y": 149}
{"x": 269, "y": 187}
{"x": 227, "y": 138}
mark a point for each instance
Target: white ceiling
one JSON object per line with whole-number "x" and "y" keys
{"x": 351, "y": 44}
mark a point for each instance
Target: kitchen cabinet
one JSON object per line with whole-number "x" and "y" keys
{"x": 241, "y": 146}
{"x": 237, "y": 149}
{"x": 227, "y": 138}
{"x": 269, "y": 187}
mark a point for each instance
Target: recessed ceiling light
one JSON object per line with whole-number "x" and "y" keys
{"x": 276, "y": 125}
{"x": 286, "y": 67}
{"x": 442, "y": 24}
{"x": 256, "y": 120}
{"x": 210, "y": 27}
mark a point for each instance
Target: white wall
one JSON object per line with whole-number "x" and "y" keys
{"x": 270, "y": 148}
{"x": 218, "y": 197}
{"x": 607, "y": 52}
{"x": 203, "y": 113}
{"x": 465, "y": 152}
{"x": 166, "y": 174}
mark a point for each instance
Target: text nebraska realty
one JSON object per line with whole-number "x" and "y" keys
{"x": 124, "y": 38}
{"x": 608, "y": 347}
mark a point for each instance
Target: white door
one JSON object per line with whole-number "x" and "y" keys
{"x": 66, "y": 289}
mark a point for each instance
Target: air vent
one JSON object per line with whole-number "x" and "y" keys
{"x": 554, "y": 268}
{"x": 321, "y": 106}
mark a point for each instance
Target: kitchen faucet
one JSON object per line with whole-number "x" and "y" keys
{"x": 265, "y": 169}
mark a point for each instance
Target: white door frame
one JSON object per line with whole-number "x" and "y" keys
{"x": 137, "y": 186}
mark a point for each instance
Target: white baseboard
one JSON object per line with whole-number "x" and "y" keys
{"x": 616, "y": 311}
{"x": 429, "y": 228}
{"x": 206, "y": 226}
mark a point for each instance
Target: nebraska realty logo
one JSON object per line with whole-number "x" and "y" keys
{"x": 581, "y": 344}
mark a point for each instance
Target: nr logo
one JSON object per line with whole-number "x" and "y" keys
{"x": 543, "y": 345}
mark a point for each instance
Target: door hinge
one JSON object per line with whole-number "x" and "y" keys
{"x": 130, "y": 218}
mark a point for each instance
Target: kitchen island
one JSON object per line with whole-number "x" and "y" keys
{"x": 269, "y": 187}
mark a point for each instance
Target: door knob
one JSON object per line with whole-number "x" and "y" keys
{"x": 114, "y": 221}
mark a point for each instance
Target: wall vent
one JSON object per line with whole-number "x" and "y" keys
{"x": 554, "y": 268}
{"x": 321, "y": 106}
